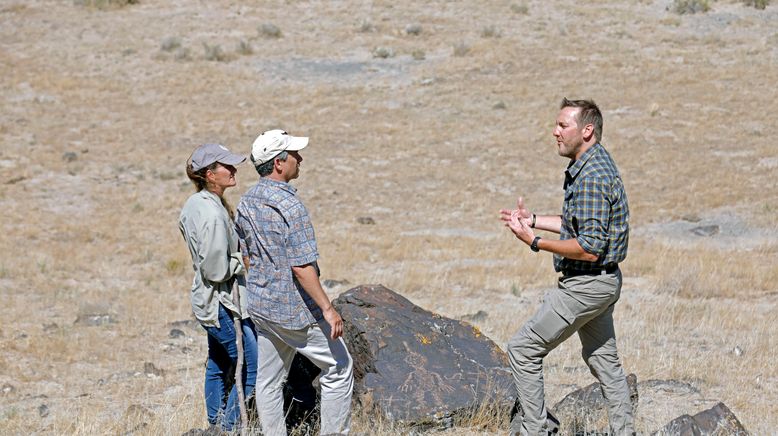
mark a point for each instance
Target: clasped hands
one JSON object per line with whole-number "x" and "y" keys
{"x": 519, "y": 221}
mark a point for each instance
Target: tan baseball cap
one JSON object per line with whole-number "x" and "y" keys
{"x": 272, "y": 142}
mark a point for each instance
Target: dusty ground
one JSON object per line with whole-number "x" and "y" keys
{"x": 100, "y": 110}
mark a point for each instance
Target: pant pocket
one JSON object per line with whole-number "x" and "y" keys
{"x": 553, "y": 319}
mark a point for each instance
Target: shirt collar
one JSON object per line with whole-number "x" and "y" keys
{"x": 278, "y": 184}
{"x": 575, "y": 165}
{"x": 210, "y": 196}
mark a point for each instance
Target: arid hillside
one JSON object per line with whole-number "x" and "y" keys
{"x": 426, "y": 117}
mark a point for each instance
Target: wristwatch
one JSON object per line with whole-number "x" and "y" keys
{"x": 534, "y": 245}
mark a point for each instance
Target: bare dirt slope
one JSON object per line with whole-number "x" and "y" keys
{"x": 101, "y": 108}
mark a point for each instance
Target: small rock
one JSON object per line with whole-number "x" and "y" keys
{"x": 718, "y": 420}
{"x": 69, "y": 156}
{"x": 43, "y": 410}
{"x": 187, "y": 323}
{"x": 366, "y": 220}
{"x": 49, "y": 328}
{"x": 706, "y": 231}
{"x": 479, "y": 316}
{"x": 93, "y": 320}
{"x": 329, "y": 283}
{"x": 737, "y": 351}
{"x": 500, "y": 105}
{"x": 585, "y": 410}
{"x": 176, "y": 333}
{"x": 7, "y": 389}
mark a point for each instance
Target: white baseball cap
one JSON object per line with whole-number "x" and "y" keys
{"x": 269, "y": 144}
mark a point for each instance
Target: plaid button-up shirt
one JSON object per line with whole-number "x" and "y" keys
{"x": 276, "y": 234}
{"x": 595, "y": 211}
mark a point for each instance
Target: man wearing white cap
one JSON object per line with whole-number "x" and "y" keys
{"x": 290, "y": 309}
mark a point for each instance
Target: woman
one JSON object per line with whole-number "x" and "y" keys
{"x": 206, "y": 222}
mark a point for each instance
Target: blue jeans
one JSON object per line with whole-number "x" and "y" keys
{"x": 220, "y": 403}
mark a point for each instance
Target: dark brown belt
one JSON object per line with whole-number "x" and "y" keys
{"x": 606, "y": 269}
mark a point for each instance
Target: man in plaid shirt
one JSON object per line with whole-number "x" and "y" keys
{"x": 290, "y": 310}
{"x": 594, "y": 232}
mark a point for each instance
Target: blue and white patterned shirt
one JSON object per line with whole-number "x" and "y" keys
{"x": 595, "y": 211}
{"x": 276, "y": 234}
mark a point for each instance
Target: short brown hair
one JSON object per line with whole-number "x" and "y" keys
{"x": 589, "y": 114}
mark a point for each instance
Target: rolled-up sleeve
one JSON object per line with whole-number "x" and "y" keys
{"x": 592, "y": 215}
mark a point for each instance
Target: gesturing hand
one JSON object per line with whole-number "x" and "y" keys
{"x": 521, "y": 211}
{"x": 518, "y": 220}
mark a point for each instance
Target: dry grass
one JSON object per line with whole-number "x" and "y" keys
{"x": 414, "y": 144}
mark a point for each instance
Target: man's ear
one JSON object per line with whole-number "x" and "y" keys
{"x": 587, "y": 132}
{"x": 277, "y": 164}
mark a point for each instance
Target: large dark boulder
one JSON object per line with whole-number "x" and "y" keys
{"x": 586, "y": 411}
{"x": 418, "y": 368}
{"x": 716, "y": 421}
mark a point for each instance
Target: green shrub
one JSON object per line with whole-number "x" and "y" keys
{"x": 413, "y": 29}
{"x": 418, "y": 55}
{"x": 269, "y": 30}
{"x": 759, "y": 4}
{"x": 383, "y": 52}
{"x": 520, "y": 9}
{"x": 461, "y": 49}
{"x": 365, "y": 26}
{"x": 214, "y": 53}
{"x": 244, "y": 47}
{"x": 490, "y": 31}
{"x": 170, "y": 43}
{"x": 683, "y": 7}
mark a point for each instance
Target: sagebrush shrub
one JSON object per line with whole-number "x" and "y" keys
{"x": 690, "y": 6}
{"x": 759, "y": 4}
{"x": 105, "y": 4}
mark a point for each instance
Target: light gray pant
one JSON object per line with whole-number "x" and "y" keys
{"x": 583, "y": 304}
{"x": 277, "y": 347}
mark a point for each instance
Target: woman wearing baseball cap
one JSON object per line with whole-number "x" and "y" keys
{"x": 206, "y": 223}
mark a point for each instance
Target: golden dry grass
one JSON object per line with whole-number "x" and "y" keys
{"x": 417, "y": 145}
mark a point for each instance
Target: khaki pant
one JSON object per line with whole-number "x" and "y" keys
{"x": 582, "y": 304}
{"x": 277, "y": 347}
